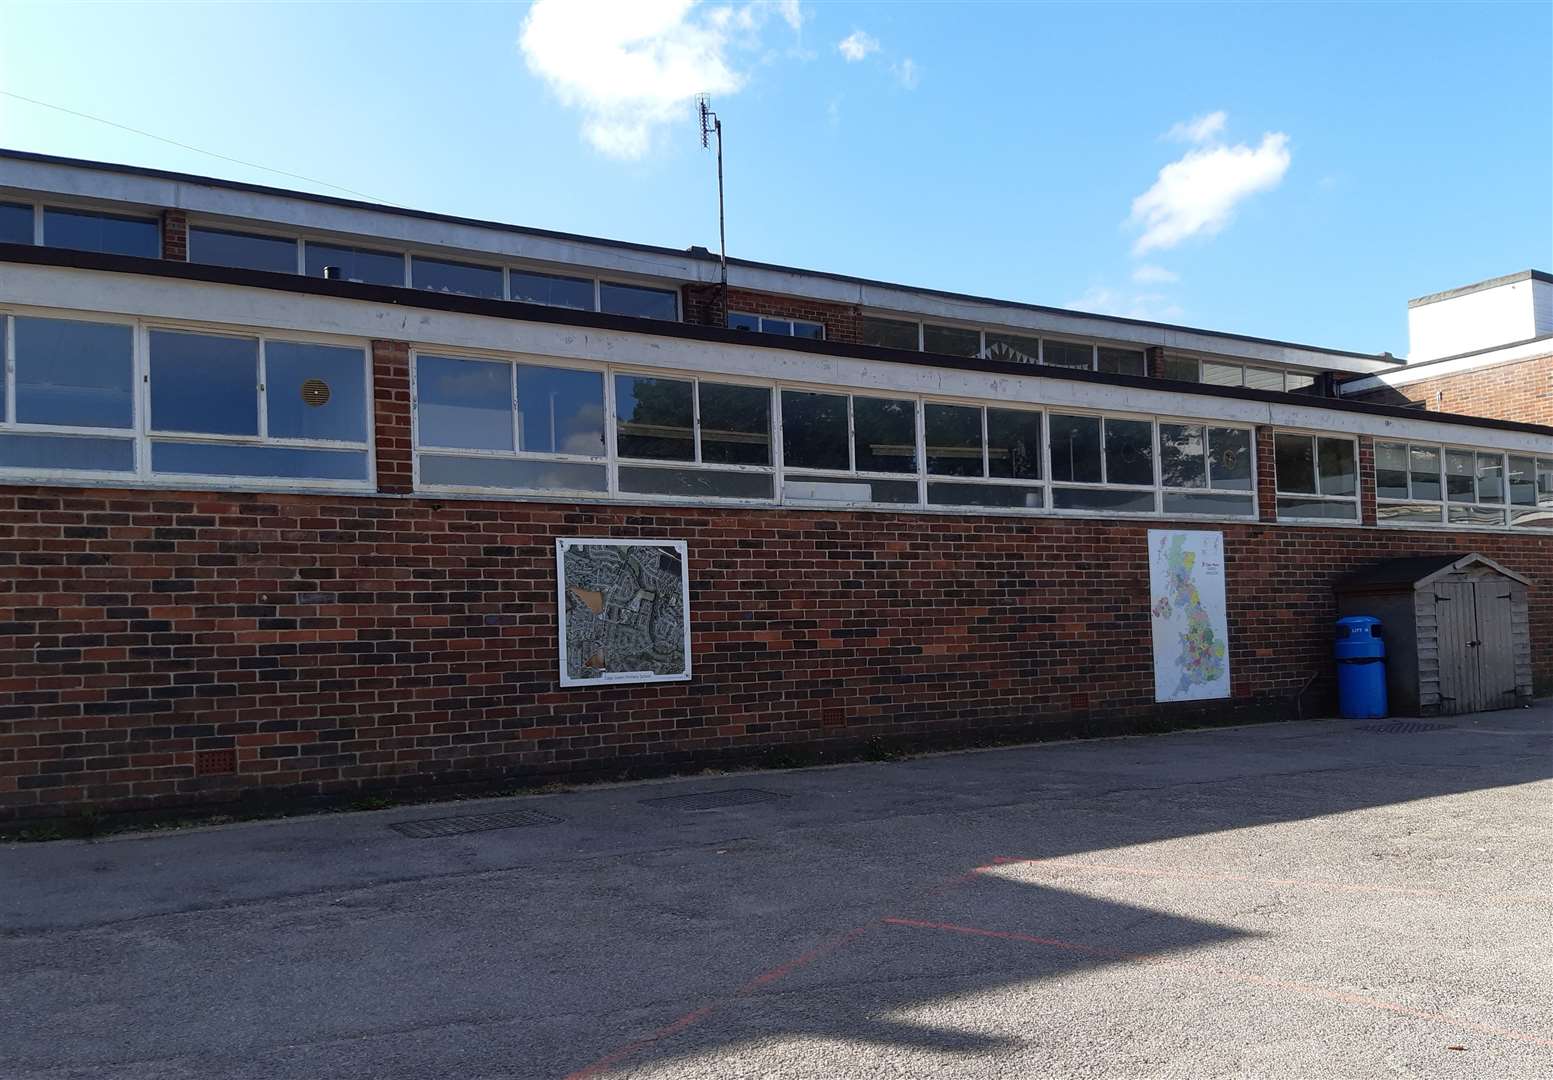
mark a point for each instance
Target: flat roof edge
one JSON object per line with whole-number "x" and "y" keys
{"x": 1480, "y": 286}
{"x": 400, "y": 296}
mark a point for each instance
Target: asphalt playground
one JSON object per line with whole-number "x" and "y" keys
{"x": 1314, "y": 899}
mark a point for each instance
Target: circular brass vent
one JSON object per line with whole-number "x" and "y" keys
{"x": 315, "y": 392}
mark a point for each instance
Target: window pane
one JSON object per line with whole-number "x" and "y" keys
{"x": 1295, "y": 462}
{"x": 885, "y": 435}
{"x": 889, "y": 333}
{"x": 1325, "y": 510}
{"x": 1209, "y": 503}
{"x": 1335, "y": 459}
{"x": 527, "y": 474}
{"x": 636, "y": 300}
{"x": 463, "y": 403}
{"x": 1183, "y": 456}
{"x": 15, "y": 223}
{"x": 1122, "y": 361}
{"x": 315, "y": 391}
{"x": 217, "y": 247}
{"x": 812, "y": 330}
{"x": 1124, "y": 502}
{"x": 780, "y": 327}
{"x": 953, "y": 439}
{"x": 1298, "y": 384}
{"x": 454, "y": 277}
{"x": 654, "y": 418}
{"x": 736, "y": 425}
{"x": 551, "y": 290}
{"x": 1460, "y": 476}
{"x": 1221, "y": 374}
{"x": 76, "y": 374}
{"x": 998, "y": 495}
{"x": 1229, "y": 458}
{"x": 560, "y": 411}
{"x": 1129, "y": 452}
{"x": 204, "y": 383}
{"x": 356, "y": 264}
{"x": 738, "y": 321}
{"x": 1014, "y": 444}
{"x": 1390, "y": 470}
{"x": 107, "y": 233}
{"x": 950, "y": 340}
{"x": 849, "y": 489}
{"x": 1075, "y": 448}
{"x": 1410, "y": 513}
{"x": 1475, "y": 515}
{"x": 1424, "y": 471}
{"x": 695, "y": 483}
{"x": 1183, "y": 368}
{"x": 66, "y": 452}
{"x": 1068, "y": 355}
{"x": 814, "y": 430}
{"x": 1264, "y": 379}
{"x": 1490, "y": 478}
{"x": 1013, "y": 348}
{"x": 286, "y": 462}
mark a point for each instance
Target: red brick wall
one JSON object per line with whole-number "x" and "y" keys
{"x": 842, "y": 322}
{"x": 1518, "y": 391}
{"x": 339, "y": 643}
{"x": 175, "y": 235}
{"x": 391, "y": 416}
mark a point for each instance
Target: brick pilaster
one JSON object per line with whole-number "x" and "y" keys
{"x": 391, "y": 415}
{"x": 175, "y": 235}
{"x": 1367, "y": 479}
{"x": 1266, "y": 476}
{"x": 1156, "y": 362}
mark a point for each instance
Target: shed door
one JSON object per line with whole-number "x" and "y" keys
{"x": 1455, "y": 610}
{"x": 1477, "y": 649}
{"x": 1496, "y": 642}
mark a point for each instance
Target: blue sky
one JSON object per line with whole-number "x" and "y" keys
{"x": 1067, "y": 155}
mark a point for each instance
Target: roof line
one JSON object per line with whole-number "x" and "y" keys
{"x": 698, "y": 254}
{"x": 400, "y": 296}
{"x": 1479, "y": 286}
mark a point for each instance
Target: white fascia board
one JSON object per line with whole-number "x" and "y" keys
{"x": 1514, "y": 354}
{"x": 914, "y": 304}
{"x": 238, "y": 208}
{"x": 67, "y": 289}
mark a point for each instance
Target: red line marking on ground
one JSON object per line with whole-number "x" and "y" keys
{"x": 1308, "y": 990}
{"x": 1204, "y": 875}
{"x": 825, "y": 948}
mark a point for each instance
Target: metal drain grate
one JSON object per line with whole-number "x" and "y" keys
{"x": 1403, "y": 727}
{"x": 428, "y": 828}
{"x": 715, "y": 800}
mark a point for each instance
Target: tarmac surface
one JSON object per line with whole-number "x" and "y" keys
{"x": 1311, "y": 899}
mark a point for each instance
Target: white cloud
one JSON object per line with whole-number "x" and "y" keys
{"x": 1155, "y": 275}
{"x": 1102, "y": 300}
{"x": 1198, "y": 193}
{"x": 857, "y": 45}
{"x": 1198, "y": 129}
{"x": 633, "y": 66}
{"x": 907, "y": 73}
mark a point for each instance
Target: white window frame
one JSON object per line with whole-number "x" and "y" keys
{"x": 1209, "y": 488}
{"x": 986, "y": 479}
{"x": 1105, "y": 483}
{"x": 83, "y": 206}
{"x": 142, "y": 437}
{"x": 760, "y": 324}
{"x": 1358, "y": 491}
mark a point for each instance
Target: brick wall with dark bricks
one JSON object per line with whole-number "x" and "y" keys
{"x": 175, "y": 235}
{"x": 1519, "y": 391}
{"x": 153, "y": 643}
{"x": 703, "y": 306}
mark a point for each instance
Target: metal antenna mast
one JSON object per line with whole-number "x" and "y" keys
{"x": 709, "y": 124}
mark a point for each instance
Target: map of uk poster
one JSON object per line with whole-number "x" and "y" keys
{"x": 624, "y": 610}
{"x": 1191, "y": 632}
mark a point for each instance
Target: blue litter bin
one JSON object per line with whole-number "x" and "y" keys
{"x": 1361, "y": 668}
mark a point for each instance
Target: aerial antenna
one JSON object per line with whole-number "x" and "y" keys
{"x": 710, "y": 124}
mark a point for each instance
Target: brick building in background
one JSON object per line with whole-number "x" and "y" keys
{"x": 282, "y": 479}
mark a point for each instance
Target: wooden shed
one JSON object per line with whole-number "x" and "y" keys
{"x": 1457, "y": 631}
